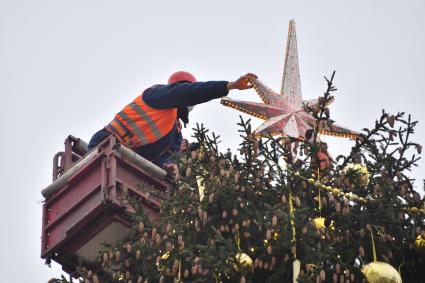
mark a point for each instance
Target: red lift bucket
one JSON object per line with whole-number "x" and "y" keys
{"x": 85, "y": 206}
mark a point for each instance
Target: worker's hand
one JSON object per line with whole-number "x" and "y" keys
{"x": 172, "y": 170}
{"x": 242, "y": 83}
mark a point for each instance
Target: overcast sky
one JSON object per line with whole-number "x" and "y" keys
{"x": 66, "y": 67}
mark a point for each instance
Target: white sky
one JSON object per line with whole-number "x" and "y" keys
{"x": 66, "y": 67}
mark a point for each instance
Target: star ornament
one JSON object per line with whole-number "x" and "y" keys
{"x": 285, "y": 112}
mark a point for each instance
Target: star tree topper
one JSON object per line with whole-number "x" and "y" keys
{"x": 284, "y": 113}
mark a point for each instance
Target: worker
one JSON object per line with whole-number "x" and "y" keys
{"x": 150, "y": 125}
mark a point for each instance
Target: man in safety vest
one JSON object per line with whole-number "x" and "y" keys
{"x": 150, "y": 126}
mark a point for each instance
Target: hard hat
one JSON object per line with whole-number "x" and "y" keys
{"x": 181, "y": 76}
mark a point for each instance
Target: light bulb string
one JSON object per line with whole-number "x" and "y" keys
{"x": 348, "y": 196}
{"x": 334, "y": 190}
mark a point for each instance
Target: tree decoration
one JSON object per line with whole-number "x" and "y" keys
{"x": 296, "y": 269}
{"x": 358, "y": 173}
{"x": 420, "y": 243}
{"x": 381, "y": 272}
{"x": 201, "y": 187}
{"x": 319, "y": 223}
{"x": 245, "y": 261}
{"x": 323, "y": 157}
{"x": 286, "y": 113}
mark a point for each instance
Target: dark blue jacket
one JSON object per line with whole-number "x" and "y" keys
{"x": 171, "y": 96}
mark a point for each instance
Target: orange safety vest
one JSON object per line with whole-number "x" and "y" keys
{"x": 138, "y": 124}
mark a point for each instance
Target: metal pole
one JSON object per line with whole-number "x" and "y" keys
{"x": 140, "y": 162}
{"x": 62, "y": 180}
{"x": 79, "y": 144}
{"x": 56, "y": 166}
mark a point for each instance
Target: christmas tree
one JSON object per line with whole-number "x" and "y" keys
{"x": 282, "y": 210}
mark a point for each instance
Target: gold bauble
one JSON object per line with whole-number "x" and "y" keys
{"x": 244, "y": 260}
{"x": 165, "y": 256}
{"x": 319, "y": 223}
{"x": 360, "y": 172}
{"x": 381, "y": 272}
{"x": 161, "y": 264}
{"x": 420, "y": 243}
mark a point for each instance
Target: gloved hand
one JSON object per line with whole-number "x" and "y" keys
{"x": 172, "y": 170}
{"x": 242, "y": 83}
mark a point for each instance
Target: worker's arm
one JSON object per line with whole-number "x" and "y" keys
{"x": 184, "y": 94}
{"x": 189, "y": 94}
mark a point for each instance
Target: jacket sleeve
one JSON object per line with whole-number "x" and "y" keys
{"x": 184, "y": 94}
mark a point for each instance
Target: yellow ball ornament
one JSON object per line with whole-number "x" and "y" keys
{"x": 319, "y": 223}
{"x": 245, "y": 261}
{"x": 414, "y": 209}
{"x": 381, "y": 272}
{"x": 420, "y": 243}
{"x": 359, "y": 173}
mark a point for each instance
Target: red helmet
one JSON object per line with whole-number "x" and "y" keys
{"x": 181, "y": 76}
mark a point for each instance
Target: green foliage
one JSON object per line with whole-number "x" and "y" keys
{"x": 246, "y": 209}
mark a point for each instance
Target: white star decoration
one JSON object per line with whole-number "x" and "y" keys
{"x": 284, "y": 113}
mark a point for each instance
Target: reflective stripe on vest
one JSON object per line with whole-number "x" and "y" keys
{"x": 119, "y": 129}
{"x": 142, "y": 123}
